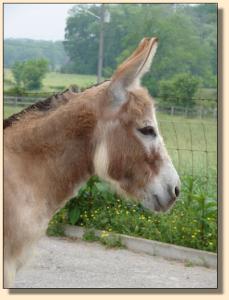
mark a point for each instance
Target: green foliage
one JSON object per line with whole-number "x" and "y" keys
{"x": 187, "y": 39}
{"x": 17, "y": 72}
{"x": 15, "y": 91}
{"x": 192, "y": 222}
{"x": 81, "y": 42}
{"x": 55, "y": 227}
{"x": 30, "y": 73}
{"x": 188, "y": 264}
{"x": 179, "y": 90}
{"x": 90, "y": 236}
{"x": 52, "y": 83}
{"x": 110, "y": 240}
{"x": 55, "y": 230}
{"x": 73, "y": 212}
{"x": 33, "y": 73}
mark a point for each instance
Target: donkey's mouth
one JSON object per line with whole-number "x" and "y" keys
{"x": 153, "y": 204}
{"x": 157, "y": 204}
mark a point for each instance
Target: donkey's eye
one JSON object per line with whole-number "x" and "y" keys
{"x": 148, "y": 130}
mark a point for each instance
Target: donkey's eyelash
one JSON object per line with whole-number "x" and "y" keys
{"x": 148, "y": 130}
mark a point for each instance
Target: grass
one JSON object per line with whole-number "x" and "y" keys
{"x": 54, "y": 81}
{"x": 10, "y": 110}
{"x": 192, "y": 144}
{"x": 107, "y": 239}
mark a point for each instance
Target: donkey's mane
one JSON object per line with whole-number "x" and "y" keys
{"x": 52, "y": 102}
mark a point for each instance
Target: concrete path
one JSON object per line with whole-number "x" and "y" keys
{"x": 63, "y": 263}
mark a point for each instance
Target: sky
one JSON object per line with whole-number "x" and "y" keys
{"x": 35, "y": 21}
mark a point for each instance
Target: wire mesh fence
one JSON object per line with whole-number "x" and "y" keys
{"x": 192, "y": 145}
{"x": 199, "y": 112}
{"x": 190, "y": 135}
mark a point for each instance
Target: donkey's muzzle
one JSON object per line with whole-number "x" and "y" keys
{"x": 162, "y": 203}
{"x": 173, "y": 195}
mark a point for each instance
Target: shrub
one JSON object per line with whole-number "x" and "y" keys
{"x": 15, "y": 91}
{"x": 33, "y": 73}
{"x": 57, "y": 87}
{"x": 30, "y": 73}
{"x": 17, "y": 70}
{"x": 179, "y": 90}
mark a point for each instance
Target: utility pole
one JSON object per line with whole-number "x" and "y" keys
{"x": 101, "y": 45}
{"x": 103, "y": 18}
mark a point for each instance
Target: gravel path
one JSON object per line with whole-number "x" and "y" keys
{"x": 63, "y": 263}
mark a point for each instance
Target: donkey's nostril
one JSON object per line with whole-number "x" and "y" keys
{"x": 177, "y": 191}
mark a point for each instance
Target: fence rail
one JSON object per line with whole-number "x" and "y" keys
{"x": 20, "y": 101}
{"x": 188, "y": 112}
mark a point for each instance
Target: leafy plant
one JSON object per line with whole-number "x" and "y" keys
{"x": 179, "y": 90}
{"x": 73, "y": 212}
{"x": 192, "y": 222}
{"x": 17, "y": 72}
{"x": 90, "y": 236}
{"x": 30, "y": 73}
{"x": 110, "y": 240}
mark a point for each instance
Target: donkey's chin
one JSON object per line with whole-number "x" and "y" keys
{"x": 156, "y": 204}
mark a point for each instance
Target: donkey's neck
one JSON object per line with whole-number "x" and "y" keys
{"x": 56, "y": 151}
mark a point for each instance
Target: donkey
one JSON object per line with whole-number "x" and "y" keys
{"x": 53, "y": 147}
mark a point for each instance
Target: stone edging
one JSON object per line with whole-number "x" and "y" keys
{"x": 150, "y": 247}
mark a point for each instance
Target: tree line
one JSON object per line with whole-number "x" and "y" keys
{"x": 20, "y": 50}
{"x": 187, "y": 39}
{"x": 186, "y": 58}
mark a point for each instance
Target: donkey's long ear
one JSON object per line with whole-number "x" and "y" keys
{"x": 132, "y": 69}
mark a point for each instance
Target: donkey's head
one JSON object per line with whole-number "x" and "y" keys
{"x": 131, "y": 154}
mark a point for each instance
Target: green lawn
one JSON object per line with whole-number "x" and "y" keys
{"x": 10, "y": 110}
{"x": 191, "y": 141}
{"x": 54, "y": 81}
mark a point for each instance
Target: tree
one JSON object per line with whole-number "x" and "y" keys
{"x": 17, "y": 70}
{"x": 30, "y": 73}
{"x": 82, "y": 36}
{"x": 179, "y": 90}
{"x": 33, "y": 73}
{"x": 81, "y": 41}
{"x": 187, "y": 39}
